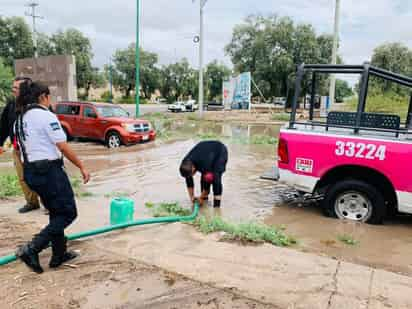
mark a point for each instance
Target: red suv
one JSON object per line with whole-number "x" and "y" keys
{"x": 104, "y": 122}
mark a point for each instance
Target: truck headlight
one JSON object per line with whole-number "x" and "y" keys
{"x": 128, "y": 127}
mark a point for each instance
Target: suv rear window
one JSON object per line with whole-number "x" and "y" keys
{"x": 65, "y": 109}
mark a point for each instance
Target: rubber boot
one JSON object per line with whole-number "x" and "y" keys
{"x": 60, "y": 253}
{"x": 29, "y": 253}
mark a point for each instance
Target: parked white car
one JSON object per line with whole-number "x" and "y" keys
{"x": 191, "y": 106}
{"x": 176, "y": 107}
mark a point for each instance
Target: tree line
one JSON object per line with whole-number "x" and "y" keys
{"x": 269, "y": 47}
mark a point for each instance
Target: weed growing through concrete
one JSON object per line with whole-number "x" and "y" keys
{"x": 244, "y": 232}
{"x": 167, "y": 209}
{"x": 9, "y": 186}
{"x": 348, "y": 239}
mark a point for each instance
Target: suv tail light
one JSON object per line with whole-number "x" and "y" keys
{"x": 283, "y": 151}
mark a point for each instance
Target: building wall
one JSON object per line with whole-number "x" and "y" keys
{"x": 58, "y": 72}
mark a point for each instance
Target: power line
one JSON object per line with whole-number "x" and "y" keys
{"x": 33, "y": 5}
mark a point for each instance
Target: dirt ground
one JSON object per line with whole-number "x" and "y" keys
{"x": 101, "y": 279}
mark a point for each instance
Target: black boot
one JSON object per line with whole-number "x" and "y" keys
{"x": 29, "y": 253}
{"x": 60, "y": 253}
{"x": 28, "y": 207}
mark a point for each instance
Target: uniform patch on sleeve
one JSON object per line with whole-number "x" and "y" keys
{"x": 55, "y": 126}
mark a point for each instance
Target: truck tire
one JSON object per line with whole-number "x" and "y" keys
{"x": 355, "y": 200}
{"x": 113, "y": 140}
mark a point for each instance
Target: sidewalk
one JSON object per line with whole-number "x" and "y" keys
{"x": 282, "y": 277}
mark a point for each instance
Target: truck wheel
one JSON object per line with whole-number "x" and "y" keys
{"x": 355, "y": 200}
{"x": 113, "y": 140}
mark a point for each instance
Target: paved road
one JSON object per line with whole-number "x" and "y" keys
{"x": 145, "y": 108}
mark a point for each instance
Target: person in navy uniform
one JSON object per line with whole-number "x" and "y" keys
{"x": 7, "y": 119}
{"x": 42, "y": 144}
{"x": 209, "y": 158}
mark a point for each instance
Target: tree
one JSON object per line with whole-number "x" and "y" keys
{"x": 124, "y": 71}
{"x": 6, "y": 78}
{"x": 15, "y": 40}
{"x": 215, "y": 74}
{"x": 271, "y": 47}
{"x": 394, "y": 57}
{"x": 342, "y": 90}
{"x": 178, "y": 80}
{"x": 71, "y": 42}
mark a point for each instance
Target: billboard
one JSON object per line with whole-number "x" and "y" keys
{"x": 237, "y": 92}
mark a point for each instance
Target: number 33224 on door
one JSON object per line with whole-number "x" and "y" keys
{"x": 360, "y": 150}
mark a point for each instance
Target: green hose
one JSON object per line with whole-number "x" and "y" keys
{"x": 12, "y": 257}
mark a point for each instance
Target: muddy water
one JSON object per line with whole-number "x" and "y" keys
{"x": 149, "y": 172}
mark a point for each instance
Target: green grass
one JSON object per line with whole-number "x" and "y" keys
{"x": 263, "y": 140}
{"x": 117, "y": 194}
{"x": 388, "y": 103}
{"x": 208, "y": 135}
{"x": 193, "y": 117}
{"x": 281, "y": 117}
{"x": 167, "y": 209}
{"x": 244, "y": 232}
{"x": 77, "y": 188}
{"x": 348, "y": 240}
{"x": 9, "y": 186}
{"x": 250, "y": 232}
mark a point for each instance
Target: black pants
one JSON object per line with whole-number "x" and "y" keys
{"x": 216, "y": 184}
{"x": 54, "y": 188}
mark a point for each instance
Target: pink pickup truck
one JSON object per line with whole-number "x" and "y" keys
{"x": 358, "y": 163}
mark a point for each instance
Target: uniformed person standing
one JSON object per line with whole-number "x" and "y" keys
{"x": 42, "y": 142}
{"x": 7, "y": 120}
{"x": 209, "y": 158}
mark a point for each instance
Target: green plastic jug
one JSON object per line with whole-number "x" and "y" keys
{"x": 121, "y": 210}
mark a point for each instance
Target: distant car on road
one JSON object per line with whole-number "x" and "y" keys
{"x": 176, "y": 107}
{"x": 191, "y": 105}
{"x": 181, "y": 106}
{"x": 104, "y": 122}
{"x": 279, "y": 101}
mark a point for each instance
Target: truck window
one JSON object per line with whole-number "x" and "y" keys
{"x": 63, "y": 109}
{"x": 89, "y": 112}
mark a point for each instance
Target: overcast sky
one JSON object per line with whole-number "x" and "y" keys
{"x": 168, "y": 26}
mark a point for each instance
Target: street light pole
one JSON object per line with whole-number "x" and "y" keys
{"x": 111, "y": 80}
{"x": 137, "y": 88}
{"x": 334, "y": 52}
{"x": 202, "y": 4}
{"x": 32, "y": 14}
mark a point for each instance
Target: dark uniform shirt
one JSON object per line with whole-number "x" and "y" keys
{"x": 208, "y": 156}
{"x": 8, "y": 117}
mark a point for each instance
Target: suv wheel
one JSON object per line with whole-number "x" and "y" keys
{"x": 355, "y": 200}
{"x": 113, "y": 140}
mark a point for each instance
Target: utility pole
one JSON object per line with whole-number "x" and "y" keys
{"x": 111, "y": 80}
{"x": 334, "y": 52}
{"x": 202, "y": 4}
{"x": 137, "y": 58}
{"x": 32, "y": 14}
